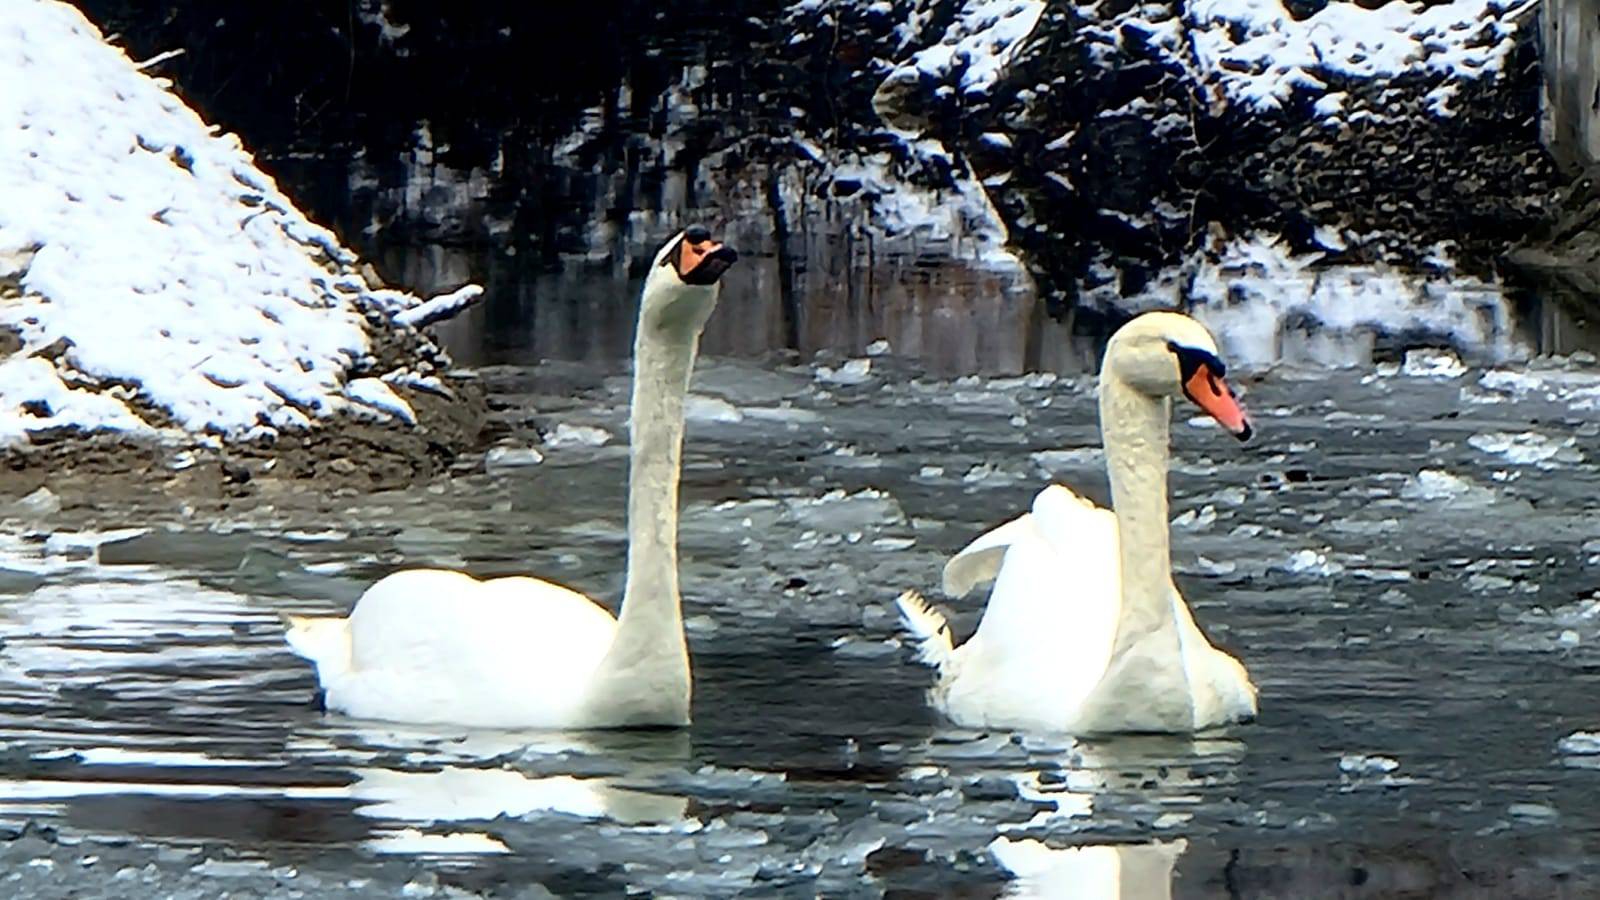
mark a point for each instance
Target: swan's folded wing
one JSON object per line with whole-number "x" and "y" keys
{"x": 433, "y": 620}
{"x": 979, "y": 562}
{"x": 1063, "y": 516}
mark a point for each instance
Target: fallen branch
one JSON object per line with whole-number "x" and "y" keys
{"x": 444, "y": 306}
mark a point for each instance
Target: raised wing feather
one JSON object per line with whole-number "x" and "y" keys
{"x": 979, "y": 562}
{"x": 1047, "y": 630}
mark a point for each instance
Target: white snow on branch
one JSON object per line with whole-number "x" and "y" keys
{"x": 175, "y": 269}
{"x": 441, "y": 307}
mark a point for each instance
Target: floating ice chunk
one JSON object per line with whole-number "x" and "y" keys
{"x": 879, "y": 347}
{"x": 1207, "y": 566}
{"x": 1448, "y": 489}
{"x": 1311, "y": 562}
{"x": 1431, "y": 363}
{"x": 512, "y": 457}
{"x": 1229, "y": 496}
{"x": 1365, "y": 764}
{"x": 577, "y": 436}
{"x": 853, "y": 647}
{"x": 1580, "y": 743}
{"x": 839, "y": 512}
{"x": 1053, "y": 461}
{"x": 786, "y": 415}
{"x": 1527, "y": 448}
{"x": 854, "y": 371}
{"x": 701, "y": 408}
{"x": 1537, "y": 812}
{"x": 1508, "y": 382}
{"x": 987, "y": 474}
{"x": 1190, "y": 520}
{"x": 1434, "y": 484}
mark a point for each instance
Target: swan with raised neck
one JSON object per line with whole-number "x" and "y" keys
{"x": 1084, "y": 631}
{"x": 436, "y": 646}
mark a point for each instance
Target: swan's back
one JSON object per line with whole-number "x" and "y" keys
{"x": 1046, "y": 633}
{"x": 441, "y": 646}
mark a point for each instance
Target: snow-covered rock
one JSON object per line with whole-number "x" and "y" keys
{"x": 157, "y": 281}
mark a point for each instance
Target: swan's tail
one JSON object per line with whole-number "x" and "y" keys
{"x": 928, "y": 628}
{"x": 325, "y": 640}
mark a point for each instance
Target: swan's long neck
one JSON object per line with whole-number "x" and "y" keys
{"x": 663, "y": 361}
{"x": 1134, "y": 427}
{"x": 1145, "y": 685}
{"x": 644, "y": 677}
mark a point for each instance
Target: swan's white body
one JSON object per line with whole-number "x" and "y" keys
{"x": 1084, "y": 631}
{"x": 441, "y": 647}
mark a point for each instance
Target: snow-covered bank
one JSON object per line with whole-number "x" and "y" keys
{"x": 157, "y": 283}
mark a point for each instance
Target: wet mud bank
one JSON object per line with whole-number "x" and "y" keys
{"x": 344, "y": 454}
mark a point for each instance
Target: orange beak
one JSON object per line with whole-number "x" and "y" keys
{"x": 693, "y": 254}
{"x": 1212, "y": 394}
{"x": 703, "y": 262}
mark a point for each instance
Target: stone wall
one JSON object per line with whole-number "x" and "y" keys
{"x": 1571, "y": 122}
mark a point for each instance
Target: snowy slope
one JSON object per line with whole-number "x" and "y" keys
{"x": 171, "y": 287}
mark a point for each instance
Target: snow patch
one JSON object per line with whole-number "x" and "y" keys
{"x": 1261, "y": 55}
{"x": 157, "y": 259}
{"x": 978, "y": 44}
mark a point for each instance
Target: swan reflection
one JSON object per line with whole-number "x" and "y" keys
{"x": 1122, "y": 781}
{"x": 475, "y": 776}
{"x": 1099, "y": 872}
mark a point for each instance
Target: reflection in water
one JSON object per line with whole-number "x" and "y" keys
{"x": 455, "y": 794}
{"x": 957, "y": 317}
{"x": 458, "y": 780}
{"x": 1155, "y": 776}
{"x": 1103, "y": 872}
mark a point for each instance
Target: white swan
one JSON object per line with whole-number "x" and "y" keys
{"x": 1085, "y": 633}
{"x": 441, "y": 647}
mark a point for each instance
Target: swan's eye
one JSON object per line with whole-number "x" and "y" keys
{"x": 1191, "y": 359}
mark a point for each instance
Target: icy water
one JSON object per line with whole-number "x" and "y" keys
{"x": 1407, "y": 559}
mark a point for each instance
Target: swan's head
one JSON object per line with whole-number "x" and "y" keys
{"x": 683, "y": 280}
{"x": 1168, "y": 354}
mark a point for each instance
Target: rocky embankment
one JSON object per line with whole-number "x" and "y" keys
{"x": 940, "y": 173}
{"x": 884, "y": 155}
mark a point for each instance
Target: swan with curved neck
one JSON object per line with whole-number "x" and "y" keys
{"x": 1084, "y": 631}
{"x": 441, "y": 647}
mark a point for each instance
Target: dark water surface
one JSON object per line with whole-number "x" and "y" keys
{"x": 1409, "y": 564}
